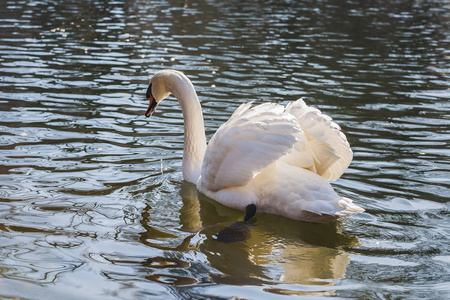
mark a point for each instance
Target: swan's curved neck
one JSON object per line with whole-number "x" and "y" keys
{"x": 194, "y": 130}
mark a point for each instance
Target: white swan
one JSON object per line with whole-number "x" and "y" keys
{"x": 269, "y": 157}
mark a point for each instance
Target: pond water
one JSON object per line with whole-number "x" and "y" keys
{"x": 92, "y": 200}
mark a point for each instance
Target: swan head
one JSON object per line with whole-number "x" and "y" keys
{"x": 157, "y": 90}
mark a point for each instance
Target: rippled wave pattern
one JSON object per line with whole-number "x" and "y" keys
{"x": 92, "y": 199}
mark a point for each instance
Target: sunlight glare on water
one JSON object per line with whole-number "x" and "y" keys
{"x": 92, "y": 199}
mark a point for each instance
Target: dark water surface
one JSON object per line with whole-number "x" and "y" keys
{"x": 92, "y": 199}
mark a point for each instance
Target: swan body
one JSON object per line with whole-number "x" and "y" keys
{"x": 277, "y": 158}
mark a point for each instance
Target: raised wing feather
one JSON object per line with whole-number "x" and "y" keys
{"x": 330, "y": 147}
{"x": 248, "y": 142}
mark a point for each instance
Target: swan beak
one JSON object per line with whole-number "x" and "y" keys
{"x": 152, "y": 105}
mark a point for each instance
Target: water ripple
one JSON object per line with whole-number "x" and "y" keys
{"x": 92, "y": 191}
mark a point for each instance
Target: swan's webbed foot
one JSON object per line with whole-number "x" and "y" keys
{"x": 250, "y": 211}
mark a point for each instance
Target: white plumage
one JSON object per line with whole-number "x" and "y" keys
{"x": 274, "y": 157}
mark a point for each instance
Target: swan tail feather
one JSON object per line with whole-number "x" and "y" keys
{"x": 348, "y": 208}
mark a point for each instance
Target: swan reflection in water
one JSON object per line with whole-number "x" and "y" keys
{"x": 275, "y": 249}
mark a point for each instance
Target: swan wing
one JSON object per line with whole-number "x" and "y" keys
{"x": 329, "y": 145}
{"x": 252, "y": 139}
